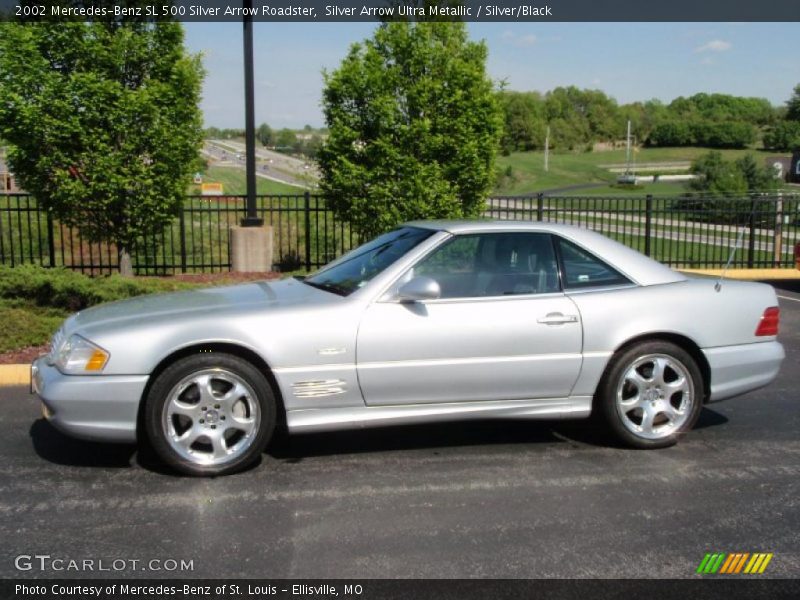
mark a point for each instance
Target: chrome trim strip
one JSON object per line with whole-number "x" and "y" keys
{"x": 329, "y": 419}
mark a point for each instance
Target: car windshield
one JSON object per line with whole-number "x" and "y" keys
{"x": 353, "y": 270}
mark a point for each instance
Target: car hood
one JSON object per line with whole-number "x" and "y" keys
{"x": 219, "y": 301}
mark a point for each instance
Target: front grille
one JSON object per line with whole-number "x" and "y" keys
{"x": 55, "y": 344}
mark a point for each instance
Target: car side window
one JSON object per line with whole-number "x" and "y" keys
{"x": 493, "y": 264}
{"x": 584, "y": 270}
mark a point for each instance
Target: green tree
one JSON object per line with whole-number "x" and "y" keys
{"x": 793, "y": 105}
{"x": 717, "y": 176}
{"x": 414, "y": 125}
{"x": 286, "y": 139}
{"x": 784, "y": 136}
{"x": 103, "y": 122}
{"x": 265, "y": 135}
{"x": 525, "y": 125}
{"x": 759, "y": 178}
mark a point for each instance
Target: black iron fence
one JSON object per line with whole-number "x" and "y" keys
{"x": 682, "y": 231}
{"x": 306, "y": 236}
{"x": 690, "y": 231}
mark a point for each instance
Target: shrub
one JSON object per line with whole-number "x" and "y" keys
{"x": 62, "y": 288}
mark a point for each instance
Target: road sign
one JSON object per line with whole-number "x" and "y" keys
{"x": 211, "y": 189}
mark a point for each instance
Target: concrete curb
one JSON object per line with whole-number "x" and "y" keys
{"x": 749, "y": 274}
{"x": 15, "y": 375}
{"x": 21, "y": 374}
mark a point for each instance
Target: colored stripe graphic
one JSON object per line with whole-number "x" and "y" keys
{"x": 741, "y": 562}
{"x": 703, "y": 563}
{"x": 711, "y": 563}
{"x": 764, "y": 564}
{"x": 734, "y": 563}
{"x": 732, "y": 558}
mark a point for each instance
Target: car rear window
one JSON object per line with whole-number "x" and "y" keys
{"x": 582, "y": 269}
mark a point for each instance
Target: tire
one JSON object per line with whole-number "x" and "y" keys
{"x": 650, "y": 395}
{"x": 210, "y": 414}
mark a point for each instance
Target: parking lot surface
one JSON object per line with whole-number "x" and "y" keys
{"x": 481, "y": 499}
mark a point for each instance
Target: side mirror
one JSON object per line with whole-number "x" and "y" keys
{"x": 419, "y": 288}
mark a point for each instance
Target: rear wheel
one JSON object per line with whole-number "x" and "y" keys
{"x": 651, "y": 394}
{"x": 210, "y": 414}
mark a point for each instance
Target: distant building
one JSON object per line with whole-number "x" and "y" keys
{"x": 781, "y": 164}
{"x": 794, "y": 170}
{"x": 8, "y": 184}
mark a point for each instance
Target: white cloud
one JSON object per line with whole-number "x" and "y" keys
{"x": 714, "y": 46}
{"x": 521, "y": 41}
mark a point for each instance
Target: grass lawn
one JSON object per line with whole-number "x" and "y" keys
{"x": 233, "y": 183}
{"x": 661, "y": 188}
{"x": 529, "y": 176}
{"x": 23, "y": 324}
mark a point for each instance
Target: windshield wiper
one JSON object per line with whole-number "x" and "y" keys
{"x": 328, "y": 287}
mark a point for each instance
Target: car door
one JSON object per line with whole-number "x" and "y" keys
{"x": 501, "y": 330}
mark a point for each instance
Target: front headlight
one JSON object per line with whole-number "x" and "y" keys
{"x": 78, "y": 355}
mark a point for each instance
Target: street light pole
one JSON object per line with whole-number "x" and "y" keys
{"x": 252, "y": 219}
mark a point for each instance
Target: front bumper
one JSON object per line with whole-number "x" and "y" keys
{"x": 736, "y": 370}
{"x": 94, "y": 407}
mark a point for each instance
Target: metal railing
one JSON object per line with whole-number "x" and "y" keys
{"x": 690, "y": 231}
{"x": 682, "y": 231}
{"x": 306, "y": 236}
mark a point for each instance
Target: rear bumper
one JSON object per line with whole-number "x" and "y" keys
{"x": 99, "y": 407}
{"x": 736, "y": 370}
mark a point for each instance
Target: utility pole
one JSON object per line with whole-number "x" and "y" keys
{"x": 252, "y": 219}
{"x": 251, "y": 242}
{"x": 547, "y": 150}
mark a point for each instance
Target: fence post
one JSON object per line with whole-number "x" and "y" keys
{"x": 183, "y": 239}
{"x": 307, "y": 197}
{"x": 751, "y": 243}
{"x": 777, "y": 243}
{"x": 540, "y": 206}
{"x": 648, "y": 223}
{"x": 51, "y": 242}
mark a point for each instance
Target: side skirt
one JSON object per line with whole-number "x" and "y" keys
{"x": 330, "y": 419}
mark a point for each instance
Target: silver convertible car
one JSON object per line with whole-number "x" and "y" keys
{"x": 433, "y": 321}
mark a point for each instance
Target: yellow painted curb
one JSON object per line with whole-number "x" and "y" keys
{"x": 757, "y": 274}
{"x": 15, "y": 375}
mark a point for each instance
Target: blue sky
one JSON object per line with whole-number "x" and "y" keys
{"x": 629, "y": 61}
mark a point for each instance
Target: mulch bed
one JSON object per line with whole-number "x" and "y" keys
{"x": 27, "y": 355}
{"x": 225, "y": 276}
{"x": 23, "y": 355}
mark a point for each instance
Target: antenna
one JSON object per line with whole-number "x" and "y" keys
{"x": 718, "y": 284}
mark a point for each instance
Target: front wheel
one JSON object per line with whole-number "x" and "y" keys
{"x": 652, "y": 394}
{"x": 210, "y": 414}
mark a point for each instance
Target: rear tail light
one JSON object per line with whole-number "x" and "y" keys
{"x": 769, "y": 322}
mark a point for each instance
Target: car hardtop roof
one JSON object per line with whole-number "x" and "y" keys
{"x": 456, "y": 226}
{"x": 634, "y": 265}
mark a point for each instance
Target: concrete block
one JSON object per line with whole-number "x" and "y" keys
{"x": 251, "y": 249}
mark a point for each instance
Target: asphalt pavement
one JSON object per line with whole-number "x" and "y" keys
{"x": 479, "y": 499}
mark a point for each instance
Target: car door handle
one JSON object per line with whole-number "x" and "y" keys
{"x": 557, "y": 319}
